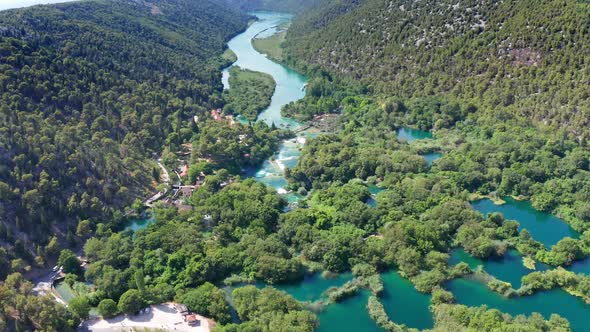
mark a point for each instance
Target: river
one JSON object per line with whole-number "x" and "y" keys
{"x": 289, "y": 88}
{"x": 402, "y": 302}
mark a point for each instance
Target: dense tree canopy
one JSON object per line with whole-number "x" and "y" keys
{"x": 526, "y": 56}
{"x": 89, "y": 90}
{"x": 250, "y": 92}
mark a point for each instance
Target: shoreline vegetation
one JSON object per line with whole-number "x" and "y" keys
{"x": 492, "y": 197}
{"x": 229, "y": 56}
{"x": 575, "y": 284}
{"x": 529, "y": 262}
{"x": 379, "y": 315}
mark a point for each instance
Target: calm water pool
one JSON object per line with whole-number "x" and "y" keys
{"x": 410, "y": 135}
{"x": 543, "y": 227}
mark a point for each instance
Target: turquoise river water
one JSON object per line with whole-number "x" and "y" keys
{"x": 545, "y": 228}
{"x": 289, "y": 88}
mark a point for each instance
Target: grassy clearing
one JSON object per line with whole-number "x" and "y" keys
{"x": 271, "y": 46}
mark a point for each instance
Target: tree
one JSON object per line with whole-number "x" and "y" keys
{"x": 426, "y": 281}
{"x": 107, "y": 308}
{"x": 84, "y": 228}
{"x": 409, "y": 261}
{"x": 163, "y": 292}
{"x": 70, "y": 279}
{"x": 18, "y": 265}
{"x": 70, "y": 262}
{"x": 52, "y": 248}
{"x": 79, "y": 307}
{"x": 272, "y": 310}
{"x": 131, "y": 302}
{"x": 208, "y": 300}
{"x": 583, "y": 211}
{"x": 543, "y": 202}
{"x": 112, "y": 282}
{"x": 17, "y": 293}
{"x": 140, "y": 280}
{"x": 440, "y": 295}
{"x": 276, "y": 270}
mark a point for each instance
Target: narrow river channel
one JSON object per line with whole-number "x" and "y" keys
{"x": 289, "y": 88}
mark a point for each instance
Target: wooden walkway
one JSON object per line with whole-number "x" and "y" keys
{"x": 302, "y": 128}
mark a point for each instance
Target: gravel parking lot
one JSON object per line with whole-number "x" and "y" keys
{"x": 159, "y": 317}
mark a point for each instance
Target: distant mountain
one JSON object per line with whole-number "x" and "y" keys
{"x": 89, "y": 91}
{"x": 530, "y": 57}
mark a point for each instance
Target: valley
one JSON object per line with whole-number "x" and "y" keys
{"x": 313, "y": 171}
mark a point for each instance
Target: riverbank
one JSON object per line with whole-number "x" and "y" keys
{"x": 473, "y": 197}
{"x": 12, "y": 4}
{"x": 288, "y": 89}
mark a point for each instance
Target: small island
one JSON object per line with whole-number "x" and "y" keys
{"x": 250, "y": 92}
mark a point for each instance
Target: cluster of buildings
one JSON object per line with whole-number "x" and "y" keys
{"x": 217, "y": 116}
{"x": 181, "y": 192}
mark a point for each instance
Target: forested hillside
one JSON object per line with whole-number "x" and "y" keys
{"x": 529, "y": 57}
{"x": 90, "y": 92}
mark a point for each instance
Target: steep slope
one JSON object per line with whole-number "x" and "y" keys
{"x": 89, "y": 91}
{"x": 527, "y": 56}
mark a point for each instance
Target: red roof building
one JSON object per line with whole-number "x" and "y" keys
{"x": 192, "y": 319}
{"x": 216, "y": 114}
{"x": 183, "y": 170}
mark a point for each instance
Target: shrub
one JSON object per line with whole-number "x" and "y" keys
{"x": 107, "y": 308}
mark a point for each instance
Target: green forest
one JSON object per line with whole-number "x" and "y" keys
{"x": 99, "y": 100}
{"x": 89, "y": 92}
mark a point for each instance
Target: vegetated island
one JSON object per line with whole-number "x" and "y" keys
{"x": 251, "y": 92}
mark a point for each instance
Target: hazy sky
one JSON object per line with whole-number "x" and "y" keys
{"x": 6, "y": 4}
